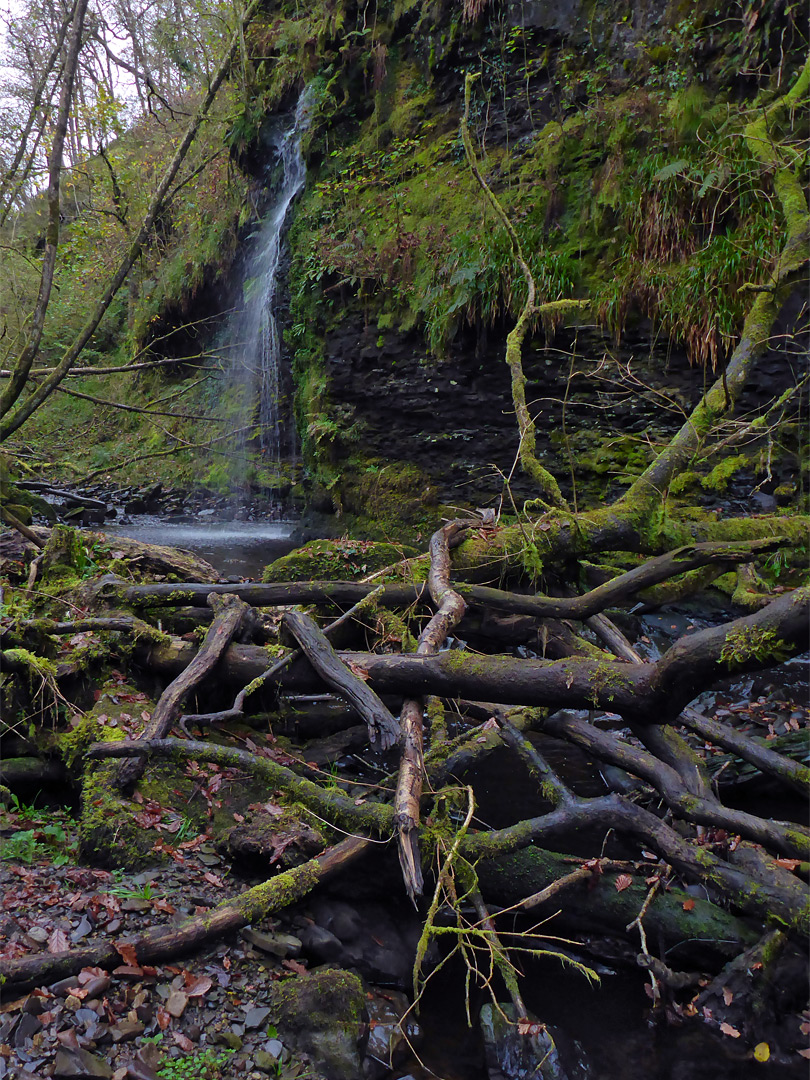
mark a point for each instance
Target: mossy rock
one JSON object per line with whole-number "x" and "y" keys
{"x": 334, "y": 560}
{"x": 389, "y": 499}
{"x": 321, "y": 1014}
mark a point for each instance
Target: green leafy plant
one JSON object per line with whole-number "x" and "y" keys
{"x": 205, "y": 1065}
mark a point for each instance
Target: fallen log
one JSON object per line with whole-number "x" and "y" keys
{"x": 651, "y": 693}
{"x": 165, "y": 942}
{"x": 786, "y": 900}
{"x": 229, "y": 614}
{"x": 288, "y": 593}
{"x": 382, "y": 726}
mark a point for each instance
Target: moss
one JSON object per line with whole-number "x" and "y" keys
{"x": 333, "y": 560}
{"x": 387, "y": 499}
{"x": 36, "y": 665}
{"x": 746, "y": 643}
{"x": 719, "y": 477}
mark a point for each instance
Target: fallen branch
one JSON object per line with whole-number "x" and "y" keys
{"x": 382, "y": 727}
{"x": 229, "y": 615}
{"x": 450, "y": 609}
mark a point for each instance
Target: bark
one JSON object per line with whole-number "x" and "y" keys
{"x": 230, "y": 613}
{"x": 705, "y": 934}
{"x": 793, "y": 773}
{"x": 382, "y": 727}
{"x": 25, "y": 360}
{"x": 791, "y": 840}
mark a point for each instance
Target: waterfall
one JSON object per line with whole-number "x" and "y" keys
{"x": 252, "y": 337}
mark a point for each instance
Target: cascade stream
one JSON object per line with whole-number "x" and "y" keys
{"x": 252, "y": 338}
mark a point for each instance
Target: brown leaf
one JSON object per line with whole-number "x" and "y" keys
{"x": 294, "y": 965}
{"x": 88, "y": 973}
{"x": 58, "y": 942}
{"x": 623, "y": 881}
{"x": 728, "y": 995}
{"x": 527, "y": 1027}
{"x": 355, "y": 669}
{"x": 727, "y": 1029}
{"x": 198, "y": 986}
{"x": 126, "y": 952}
{"x": 689, "y": 905}
{"x": 804, "y": 1053}
{"x": 788, "y": 864}
{"x": 183, "y": 1041}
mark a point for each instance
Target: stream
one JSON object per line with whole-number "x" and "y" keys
{"x": 236, "y": 548}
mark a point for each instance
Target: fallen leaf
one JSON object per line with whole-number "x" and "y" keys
{"x": 294, "y": 965}
{"x": 198, "y": 986}
{"x": 804, "y": 1053}
{"x": 183, "y": 1041}
{"x": 727, "y": 1029}
{"x": 58, "y": 942}
{"x": 526, "y": 1027}
{"x": 762, "y": 1051}
{"x": 355, "y": 669}
{"x": 623, "y": 881}
{"x": 728, "y": 996}
{"x": 126, "y": 952}
{"x": 689, "y": 905}
{"x": 788, "y": 864}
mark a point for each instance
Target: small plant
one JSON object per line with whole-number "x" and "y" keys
{"x": 205, "y": 1065}
{"x": 47, "y": 839}
{"x": 128, "y": 892}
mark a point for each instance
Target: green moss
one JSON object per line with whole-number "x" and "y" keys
{"x": 746, "y": 643}
{"x": 334, "y": 560}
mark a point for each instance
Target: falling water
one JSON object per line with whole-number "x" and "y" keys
{"x": 253, "y": 340}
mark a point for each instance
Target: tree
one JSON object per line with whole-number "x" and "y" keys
{"x": 85, "y": 130}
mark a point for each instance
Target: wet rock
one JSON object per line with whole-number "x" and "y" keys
{"x": 511, "y": 1055}
{"x": 320, "y": 944}
{"x": 386, "y": 1040}
{"x": 378, "y": 947}
{"x": 281, "y": 945}
{"x": 81, "y": 1064}
{"x": 321, "y": 1014}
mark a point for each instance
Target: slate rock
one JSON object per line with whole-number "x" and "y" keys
{"x": 80, "y": 1065}
{"x": 255, "y": 1017}
{"x": 281, "y": 945}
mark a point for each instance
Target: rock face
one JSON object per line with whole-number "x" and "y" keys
{"x": 322, "y": 1015}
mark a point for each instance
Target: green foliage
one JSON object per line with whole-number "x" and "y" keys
{"x": 204, "y": 1065}
{"x": 50, "y": 838}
